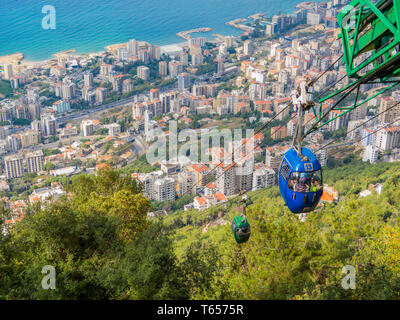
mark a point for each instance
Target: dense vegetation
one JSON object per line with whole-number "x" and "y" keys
{"x": 289, "y": 259}
{"x": 5, "y": 88}
{"x": 103, "y": 246}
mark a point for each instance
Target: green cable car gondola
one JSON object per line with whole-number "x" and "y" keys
{"x": 241, "y": 226}
{"x": 241, "y": 229}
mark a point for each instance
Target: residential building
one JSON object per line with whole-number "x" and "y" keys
{"x": 48, "y": 125}
{"x": 370, "y": 154}
{"x": 87, "y": 128}
{"x": 14, "y": 167}
{"x": 263, "y": 176}
{"x": 30, "y": 138}
{"x": 34, "y": 161}
{"x": 164, "y": 189}
{"x": 114, "y": 129}
{"x": 143, "y": 73}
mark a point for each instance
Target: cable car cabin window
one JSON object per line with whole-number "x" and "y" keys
{"x": 305, "y": 181}
{"x": 285, "y": 169}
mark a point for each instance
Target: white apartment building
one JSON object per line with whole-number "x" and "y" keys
{"x": 87, "y": 128}
{"x": 164, "y": 189}
{"x": 114, "y": 129}
{"x": 388, "y": 138}
{"x": 186, "y": 181}
{"x": 263, "y": 177}
{"x": 34, "y": 161}
{"x": 148, "y": 181}
{"x": 14, "y": 167}
{"x": 226, "y": 179}
{"x": 143, "y": 73}
{"x": 370, "y": 154}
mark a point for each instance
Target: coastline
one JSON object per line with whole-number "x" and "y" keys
{"x": 235, "y": 23}
{"x": 186, "y": 35}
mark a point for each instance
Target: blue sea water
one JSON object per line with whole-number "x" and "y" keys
{"x": 90, "y": 25}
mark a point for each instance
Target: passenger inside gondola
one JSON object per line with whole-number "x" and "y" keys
{"x": 305, "y": 182}
{"x": 301, "y": 185}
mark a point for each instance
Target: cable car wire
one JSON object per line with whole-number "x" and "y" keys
{"x": 323, "y": 73}
{"x": 233, "y": 150}
{"x": 362, "y": 124}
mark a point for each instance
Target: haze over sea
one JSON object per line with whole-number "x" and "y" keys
{"x": 90, "y": 25}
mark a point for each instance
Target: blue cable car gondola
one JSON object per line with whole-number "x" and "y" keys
{"x": 300, "y": 180}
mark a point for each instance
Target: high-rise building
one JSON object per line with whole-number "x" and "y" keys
{"x": 230, "y": 41}
{"x": 89, "y": 95}
{"x": 13, "y": 143}
{"x": 144, "y": 56}
{"x": 165, "y": 189}
{"x": 3, "y": 133}
{"x": 132, "y": 47}
{"x": 388, "y": 138}
{"x": 163, "y": 68}
{"x": 36, "y": 126}
{"x": 154, "y": 94}
{"x": 49, "y": 125}
{"x": 101, "y": 95}
{"x": 155, "y": 53}
{"x": 127, "y": 86}
{"x": 220, "y": 67}
{"x": 248, "y": 48}
{"x": 122, "y": 54}
{"x": 34, "y": 161}
{"x": 370, "y": 154}
{"x": 8, "y": 71}
{"x": 34, "y": 110}
{"x": 175, "y": 67}
{"x": 263, "y": 176}
{"x": 15, "y": 82}
{"x": 273, "y": 157}
{"x": 114, "y": 129}
{"x": 14, "y": 167}
{"x": 185, "y": 183}
{"x": 184, "y": 58}
{"x": 105, "y": 69}
{"x": 197, "y": 59}
{"x": 30, "y": 138}
{"x": 68, "y": 90}
{"x": 226, "y": 179}
{"x": 62, "y": 106}
{"x": 143, "y": 72}
{"x": 88, "y": 79}
{"x": 386, "y": 115}
{"x": 116, "y": 81}
{"x": 313, "y": 18}
{"x": 22, "y": 112}
{"x": 183, "y": 81}
{"x": 87, "y": 128}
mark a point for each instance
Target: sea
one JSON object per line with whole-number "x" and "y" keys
{"x": 90, "y": 25}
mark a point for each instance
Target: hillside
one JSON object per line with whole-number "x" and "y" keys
{"x": 288, "y": 259}
{"x": 103, "y": 246}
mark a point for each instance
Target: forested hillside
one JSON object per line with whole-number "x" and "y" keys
{"x": 289, "y": 259}
{"x": 103, "y": 246}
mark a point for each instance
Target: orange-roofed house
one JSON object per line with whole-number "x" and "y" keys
{"x": 220, "y": 197}
{"x": 330, "y": 195}
{"x": 263, "y": 105}
{"x": 210, "y": 189}
{"x": 101, "y": 166}
{"x": 201, "y": 173}
{"x": 200, "y": 203}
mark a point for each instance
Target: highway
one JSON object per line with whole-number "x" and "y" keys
{"x": 84, "y": 113}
